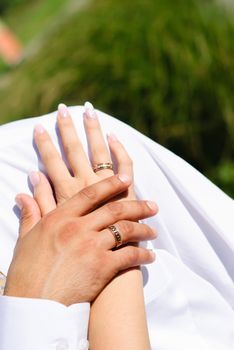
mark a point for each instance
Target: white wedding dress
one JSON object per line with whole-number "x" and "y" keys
{"x": 189, "y": 290}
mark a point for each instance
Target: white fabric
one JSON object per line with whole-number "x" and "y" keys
{"x": 189, "y": 290}
{"x": 36, "y": 324}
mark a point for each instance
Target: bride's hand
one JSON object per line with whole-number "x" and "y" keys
{"x": 63, "y": 245}
{"x": 66, "y": 184}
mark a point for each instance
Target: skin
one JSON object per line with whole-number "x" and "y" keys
{"x": 67, "y": 256}
{"x": 120, "y": 305}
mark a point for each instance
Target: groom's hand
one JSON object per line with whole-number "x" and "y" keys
{"x": 68, "y": 255}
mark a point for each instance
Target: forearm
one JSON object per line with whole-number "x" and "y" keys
{"x": 118, "y": 319}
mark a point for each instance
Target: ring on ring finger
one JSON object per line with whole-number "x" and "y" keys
{"x": 116, "y": 234}
{"x": 102, "y": 166}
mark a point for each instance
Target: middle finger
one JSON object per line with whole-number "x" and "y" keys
{"x": 112, "y": 212}
{"x": 97, "y": 145}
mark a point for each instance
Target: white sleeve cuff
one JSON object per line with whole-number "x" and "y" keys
{"x": 39, "y": 324}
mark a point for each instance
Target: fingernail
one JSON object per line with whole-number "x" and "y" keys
{"x": 124, "y": 178}
{"x": 90, "y": 111}
{"x": 112, "y": 137}
{"x": 62, "y": 110}
{"x": 152, "y": 254}
{"x": 39, "y": 129}
{"x": 19, "y": 202}
{"x": 154, "y": 231}
{"x": 152, "y": 205}
{"x": 34, "y": 178}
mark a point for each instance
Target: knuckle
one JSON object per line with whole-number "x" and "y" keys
{"x": 116, "y": 208}
{"x": 89, "y": 245}
{"x": 49, "y": 156}
{"x": 70, "y": 226}
{"x": 99, "y": 148}
{"x": 114, "y": 182}
{"x": 126, "y": 227}
{"x": 71, "y": 148}
{"x": 133, "y": 255}
{"x": 143, "y": 207}
{"x": 68, "y": 231}
{"x": 25, "y": 217}
{"x": 89, "y": 193}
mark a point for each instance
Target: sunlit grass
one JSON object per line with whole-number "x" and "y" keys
{"x": 171, "y": 77}
{"x": 30, "y": 19}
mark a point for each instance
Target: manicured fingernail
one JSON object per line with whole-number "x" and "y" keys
{"x": 19, "y": 202}
{"x": 90, "y": 111}
{"x": 34, "y": 178}
{"x": 112, "y": 137}
{"x": 124, "y": 178}
{"x": 62, "y": 110}
{"x": 39, "y": 129}
{"x": 152, "y": 205}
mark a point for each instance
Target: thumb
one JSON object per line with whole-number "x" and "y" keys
{"x": 30, "y": 213}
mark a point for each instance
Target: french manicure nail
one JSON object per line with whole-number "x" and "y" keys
{"x": 124, "y": 178}
{"x": 90, "y": 111}
{"x": 152, "y": 205}
{"x": 18, "y": 202}
{"x": 112, "y": 137}
{"x": 34, "y": 178}
{"x": 62, "y": 110}
{"x": 39, "y": 129}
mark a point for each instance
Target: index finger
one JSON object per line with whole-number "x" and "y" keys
{"x": 93, "y": 196}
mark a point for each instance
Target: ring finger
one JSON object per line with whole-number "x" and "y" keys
{"x": 128, "y": 231}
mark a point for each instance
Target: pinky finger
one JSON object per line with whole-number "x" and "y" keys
{"x": 42, "y": 192}
{"x": 131, "y": 256}
{"x": 124, "y": 162}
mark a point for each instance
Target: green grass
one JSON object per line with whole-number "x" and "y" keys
{"x": 170, "y": 76}
{"x": 32, "y": 18}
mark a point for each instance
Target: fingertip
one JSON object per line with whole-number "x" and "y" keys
{"x": 39, "y": 129}
{"x": 152, "y": 255}
{"x": 111, "y": 137}
{"x": 88, "y": 105}
{"x": 34, "y": 178}
{"x": 152, "y": 206}
{"x": 89, "y": 111}
{"x": 18, "y": 201}
{"x": 62, "y": 111}
{"x": 124, "y": 178}
{"x": 155, "y": 232}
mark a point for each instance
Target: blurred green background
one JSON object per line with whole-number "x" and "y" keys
{"x": 164, "y": 67}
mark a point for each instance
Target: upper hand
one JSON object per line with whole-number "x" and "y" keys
{"x": 68, "y": 255}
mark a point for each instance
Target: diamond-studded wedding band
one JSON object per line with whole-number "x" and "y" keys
{"x": 117, "y": 235}
{"x": 102, "y": 166}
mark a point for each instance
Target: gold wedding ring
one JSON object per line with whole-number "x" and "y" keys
{"x": 102, "y": 166}
{"x": 116, "y": 234}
